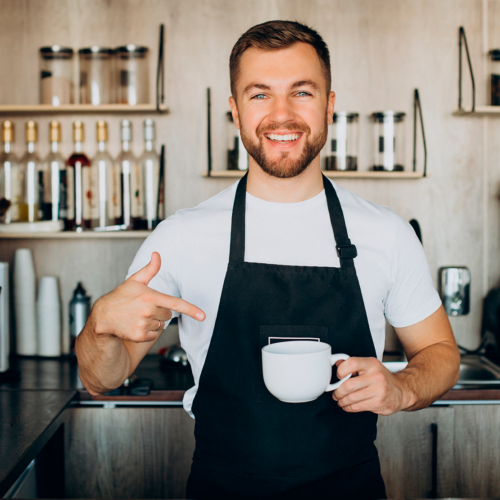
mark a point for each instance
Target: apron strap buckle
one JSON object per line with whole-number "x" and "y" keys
{"x": 347, "y": 251}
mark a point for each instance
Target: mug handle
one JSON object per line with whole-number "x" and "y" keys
{"x": 333, "y": 360}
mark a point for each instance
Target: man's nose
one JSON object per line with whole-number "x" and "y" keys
{"x": 282, "y": 110}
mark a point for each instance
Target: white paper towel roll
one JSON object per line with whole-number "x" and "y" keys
{"x": 24, "y": 302}
{"x": 4, "y": 317}
{"x": 49, "y": 317}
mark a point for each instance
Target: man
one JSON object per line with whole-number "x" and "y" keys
{"x": 283, "y": 253}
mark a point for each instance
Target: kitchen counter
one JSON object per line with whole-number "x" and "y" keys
{"x": 62, "y": 374}
{"x": 32, "y": 405}
{"x": 168, "y": 384}
{"x": 28, "y": 420}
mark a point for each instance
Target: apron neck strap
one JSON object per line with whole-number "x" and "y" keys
{"x": 345, "y": 249}
{"x": 237, "y": 251}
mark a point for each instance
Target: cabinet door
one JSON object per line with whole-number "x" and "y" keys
{"x": 127, "y": 452}
{"x": 405, "y": 444}
{"x": 477, "y": 451}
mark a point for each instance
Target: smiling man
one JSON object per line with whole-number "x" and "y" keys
{"x": 282, "y": 254}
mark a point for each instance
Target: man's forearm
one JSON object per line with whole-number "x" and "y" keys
{"x": 103, "y": 360}
{"x": 429, "y": 374}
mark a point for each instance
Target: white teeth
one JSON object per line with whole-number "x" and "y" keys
{"x": 283, "y": 138}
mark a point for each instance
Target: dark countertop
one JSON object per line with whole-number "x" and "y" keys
{"x": 28, "y": 419}
{"x": 169, "y": 384}
{"x": 62, "y": 374}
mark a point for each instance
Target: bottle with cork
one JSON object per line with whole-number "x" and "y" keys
{"x": 108, "y": 182}
{"x": 33, "y": 185}
{"x": 11, "y": 177}
{"x": 78, "y": 176}
{"x": 56, "y": 169}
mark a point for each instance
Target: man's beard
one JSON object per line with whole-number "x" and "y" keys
{"x": 285, "y": 167}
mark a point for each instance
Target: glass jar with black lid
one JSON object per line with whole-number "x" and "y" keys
{"x": 96, "y": 75}
{"x": 132, "y": 74}
{"x": 341, "y": 149}
{"x": 495, "y": 77}
{"x": 237, "y": 156}
{"x": 388, "y": 141}
{"x": 56, "y": 75}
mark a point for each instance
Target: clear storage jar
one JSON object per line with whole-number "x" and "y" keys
{"x": 56, "y": 75}
{"x": 388, "y": 141}
{"x": 132, "y": 72}
{"x": 96, "y": 75}
{"x": 495, "y": 77}
{"x": 237, "y": 156}
{"x": 341, "y": 149}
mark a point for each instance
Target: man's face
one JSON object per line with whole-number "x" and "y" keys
{"x": 282, "y": 108}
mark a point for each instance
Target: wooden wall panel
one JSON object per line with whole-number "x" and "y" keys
{"x": 381, "y": 50}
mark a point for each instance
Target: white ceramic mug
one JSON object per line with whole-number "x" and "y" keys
{"x": 299, "y": 371}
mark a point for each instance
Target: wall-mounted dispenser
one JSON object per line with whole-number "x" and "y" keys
{"x": 454, "y": 289}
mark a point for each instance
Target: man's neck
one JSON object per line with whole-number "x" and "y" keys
{"x": 299, "y": 188}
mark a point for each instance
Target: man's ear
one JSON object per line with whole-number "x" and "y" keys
{"x": 234, "y": 112}
{"x": 330, "y": 107}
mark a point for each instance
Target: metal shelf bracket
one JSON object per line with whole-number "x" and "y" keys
{"x": 417, "y": 109}
{"x": 462, "y": 40}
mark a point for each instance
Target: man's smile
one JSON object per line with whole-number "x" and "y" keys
{"x": 283, "y": 139}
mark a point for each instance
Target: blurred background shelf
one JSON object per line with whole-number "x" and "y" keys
{"x": 71, "y": 235}
{"x": 235, "y": 174}
{"x": 80, "y": 108}
{"x": 479, "y": 111}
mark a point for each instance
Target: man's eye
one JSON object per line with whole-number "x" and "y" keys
{"x": 303, "y": 93}
{"x": 259, "y": 96}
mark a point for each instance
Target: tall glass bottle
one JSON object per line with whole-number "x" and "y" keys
{"x": 56, "y": 169}
{"x": 11, "y": 175}
{"x": 131, "y": 181}
{"x": 107, "y": 182}
{"x": 150, "y": 165}
{"x": 77, "y": 169}
{"x": 34, "y": 179}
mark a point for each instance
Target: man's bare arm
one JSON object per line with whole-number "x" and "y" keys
{"x": 433, "y": 368}
{"x": 123, "y": 326}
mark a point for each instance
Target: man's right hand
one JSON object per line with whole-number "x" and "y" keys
{"x": 136, "y": 313}
{"x": 122, "y": 327}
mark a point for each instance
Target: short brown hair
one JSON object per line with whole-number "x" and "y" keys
{"x": 276, "y": 35}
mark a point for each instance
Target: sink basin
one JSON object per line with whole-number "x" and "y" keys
{"x": 478, "y": 370}
{"x": 474, "y": 370}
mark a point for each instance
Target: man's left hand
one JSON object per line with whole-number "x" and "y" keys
{"x": 371, "y": 388}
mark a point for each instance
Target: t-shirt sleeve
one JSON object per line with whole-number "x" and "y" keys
{"x": 163, "y": 241}
{"x": 412, "y": 296}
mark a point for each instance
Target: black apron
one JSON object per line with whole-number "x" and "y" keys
{"x": 248, "y": 443}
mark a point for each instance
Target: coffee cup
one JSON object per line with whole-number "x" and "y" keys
{"x": 299, "y": 371}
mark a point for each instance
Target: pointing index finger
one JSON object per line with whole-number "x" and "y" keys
{"x": 177, "y": 304}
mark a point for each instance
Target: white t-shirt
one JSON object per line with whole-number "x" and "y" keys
{"x": 391, "y": 265}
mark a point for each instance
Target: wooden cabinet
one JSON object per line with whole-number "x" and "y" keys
{"x": 476, "y": 458}
{"x": 414, "y": 449}
{"x": 145, "y": 452}
{"x": 464, "y": 462}
{"x": 127, "y": 452}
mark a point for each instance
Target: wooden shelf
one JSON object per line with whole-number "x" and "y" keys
{"x": 78, "y": 108}
{"x": 71, "y": 235}
{"x": 479, "y": 111}
{"x": 235, "y": 174}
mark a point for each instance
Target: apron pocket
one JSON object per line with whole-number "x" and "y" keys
{"x": 271, "y": 334}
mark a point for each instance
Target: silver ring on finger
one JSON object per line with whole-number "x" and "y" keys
{"x": 159, "y": 325}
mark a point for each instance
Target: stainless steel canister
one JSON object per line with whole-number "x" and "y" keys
{"x": 79, "y": 310}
